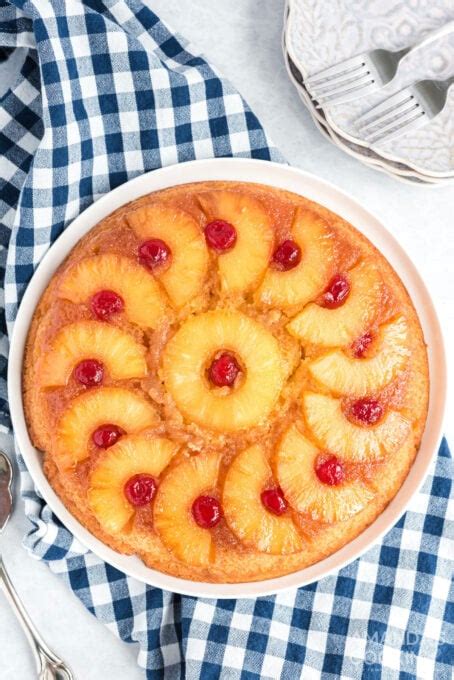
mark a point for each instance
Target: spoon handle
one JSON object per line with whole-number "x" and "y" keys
{"x": 49, "y": 665}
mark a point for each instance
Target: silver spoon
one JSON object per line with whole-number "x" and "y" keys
{"x": 48, "y": 664}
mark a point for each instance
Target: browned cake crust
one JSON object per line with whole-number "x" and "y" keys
{"x": 231, "y": 558}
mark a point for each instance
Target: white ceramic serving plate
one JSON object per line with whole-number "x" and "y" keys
{"x": 283, "y": 177}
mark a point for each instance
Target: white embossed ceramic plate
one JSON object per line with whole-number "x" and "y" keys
{"x": 397, "y": 170}
{"x": 320, "y": 34}
{"x": 290, "y": 179}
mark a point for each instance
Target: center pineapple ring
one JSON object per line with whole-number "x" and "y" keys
{"x": 193, "y": 347}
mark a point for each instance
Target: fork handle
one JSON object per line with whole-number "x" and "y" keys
{"x": 432, "y": 36}
{"x": 47, "y": 663}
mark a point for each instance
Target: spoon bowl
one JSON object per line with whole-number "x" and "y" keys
{"x": 6, "y": 496}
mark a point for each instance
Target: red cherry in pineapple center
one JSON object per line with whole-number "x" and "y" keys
{"x": 224, "y": 370}
{"x": 220, "y": 235}
{"x": 286, "y": 256}
{"x": 140, "y": 489}
{"x": 105, "y": 303}
{"x": 89, "y": 372}
{"x": 336, "y": 292}
{"x": 274, "y": 501}
{"x": 206, "y": 511}
{"x": 361, "y": 345}
{"x": 367, "y": 411}
{"x": 154, "y": 253}
{"x": 107, "y": 435}
{"x": 330, "y": 471}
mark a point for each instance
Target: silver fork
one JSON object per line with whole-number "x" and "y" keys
{"x": 364, "y": 73}
{"x": 409, "y": 109}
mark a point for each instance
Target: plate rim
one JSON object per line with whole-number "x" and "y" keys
{"x": 290, "y": 179}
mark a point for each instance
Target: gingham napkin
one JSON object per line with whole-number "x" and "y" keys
{"x": 106, "y": 92}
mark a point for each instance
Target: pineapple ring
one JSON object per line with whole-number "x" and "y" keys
{"x": 244, "y": 512}
{"x": 241, "y": 268}
{"x": 90, "y": 410}
{"x": 353, "y": 442}
{"x": 345, "y": 375}
{"x": 304, "y": 282}
{"x": 338, "y": 327}
{"x": 173, "y": 519}
{"x": 295, "y": 467}
{"x": 133, "y": 455}
{"x": 184, "y": 278}
{"x": 145, "y": 305}
{"x": 194, "y": 344}
{"x": 123, "y": 356}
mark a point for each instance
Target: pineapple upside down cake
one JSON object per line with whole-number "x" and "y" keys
{"x": 227, "y": 380}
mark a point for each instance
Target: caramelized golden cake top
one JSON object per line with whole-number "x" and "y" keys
{"x": 227, "y": 380}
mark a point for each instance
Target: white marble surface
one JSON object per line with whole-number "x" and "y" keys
{"x": 244, "y": 44}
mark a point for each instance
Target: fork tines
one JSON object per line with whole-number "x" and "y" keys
{"x": 338, "y": 83}
{"x": 390, "y": 118}
{"x": 341, "y": 69}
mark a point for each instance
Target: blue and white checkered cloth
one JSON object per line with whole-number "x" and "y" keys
{"x": 106, "y": 92}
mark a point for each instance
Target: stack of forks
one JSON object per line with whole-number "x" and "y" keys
{"x": 389, "y": 106}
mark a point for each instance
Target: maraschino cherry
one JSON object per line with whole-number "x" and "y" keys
{"x": 224, "y": 370}
{"x": 89, "y": 372}
{"x": 140, "y": 489}
{"x": 274, "y": 501}
{"x": 367, "y": 411}
{"x": 107, "y": 435}
{"x": 336, "y": 292}
{"x": 105, "y": 303}
{"x": 220, "y": 235}
{"x": 361, "y": 345}
{"x": 154, "y": 253}
{"x": 206, "y": 511}
{"x": 286, "y": 256}
{"x": 330, "y": 471}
